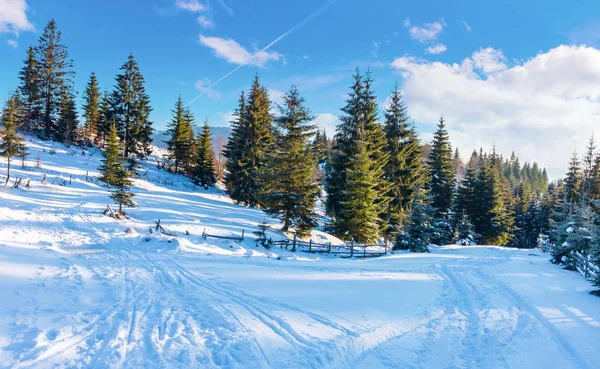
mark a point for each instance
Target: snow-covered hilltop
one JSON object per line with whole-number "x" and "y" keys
{"x": 79, "y": 289}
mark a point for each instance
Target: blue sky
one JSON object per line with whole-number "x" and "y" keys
{"x": 495, "y": 70}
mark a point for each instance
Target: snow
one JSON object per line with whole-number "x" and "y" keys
{"x": 81, "y": 290}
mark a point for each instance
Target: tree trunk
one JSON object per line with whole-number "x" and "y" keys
{"x": 7, "y": 172}
{"x": 286, "y": 222}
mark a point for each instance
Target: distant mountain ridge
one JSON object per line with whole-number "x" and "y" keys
{"x": 218, "y": 133}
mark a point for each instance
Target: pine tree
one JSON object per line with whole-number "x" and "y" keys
{"x": 359, "y": 124}
{"x": 466, "y": 199}
{"x": 441, "y": 167}
{"x": 67, "y": 120}
{"x": 55, "y": 76}
{"x": 105, "y": 118}
{"x": 236, "y": 152}
{"x": 92, "y": 109}
{"x": 181, "y": 136}
{"x": 404, "y": 170}
{"x": 527, "y": 227}
{"x": 320, "y": 146}
{"x": 131, "y": 109}
{"x": 289, "y": 187}
{"x": 588, "y": 168}
{"x": 11, "y": 144}
{"x": 205, "y": 157}
{"x": 114, "y": 173}
{"x": 459, "y": 166}
{"x": 360, "y": 209}
{"x": 573, "y": 180}
{"x": 465, "y": 232}
{"x": 419, "y": 229}
{"x": 30, "y": 91}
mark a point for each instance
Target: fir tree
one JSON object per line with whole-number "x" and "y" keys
{"x": 527, "y": 228}
{"x": 404, "y": 170}
{"x": 360, "y": 209}
{"x": 105, "y": 118}
{"x": 465, "y": 232}
{"x": 30, "y": 91}
{"x": 205, "y": 158}
{"x": 131, "y": 109}
{"x": 419, "y": 229}
{"x": 55, "y": 76}
{"x": 289, "y": 187}
{"x": 441, "y": 167}
{"x": 91, "y": 109}
{"x": 11, "y": 143}
{"x": 181, "y": 136}
{"x": 359, "y": 124}
{"x": 114, "y": 173}
{"x": 588, "y": 168}
{"x": 573, "y": 180}
{"x": 67, "y": 120}
{"x": 236, "y": 152}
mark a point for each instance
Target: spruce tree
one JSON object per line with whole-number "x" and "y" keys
{"x": 131, "y": 109}
{"x": 526, "y": 227}
{"x": 236, "y": 152}
{"x": 181, "y": 136}
{"x": 404, "y": 170}
{"x": 441, "y": 167}
{"x": 55, "y": 76}
{"x": 573, "y": 180}
{"x": 114, "y": 173}
{"x": 105, "y": 119}
{"x": 11, "y": 143}
{"x": 204, "y": 174}
{"x": 289, "y": 187}
{"x": 91, "y": 109}
{"x": 419, "y": 229}
{"x": 588, "y": 168}
{"x": 359, "y": 124}
{"x": 360, "y": 210}
{"x": 30, "y": 91}
{"x": 67, "y": 120}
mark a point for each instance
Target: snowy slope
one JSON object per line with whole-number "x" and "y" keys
{"x": 79, "y": 289}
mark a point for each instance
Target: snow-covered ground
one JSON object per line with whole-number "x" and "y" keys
{"x": 81, "y": 290}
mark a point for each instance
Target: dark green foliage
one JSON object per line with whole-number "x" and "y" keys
{"x": 441, "y": 167}
{"x": 321, "y": 144}
{"x": 405, "y": 170}
{"x": 359, "y": 125}
{"x": 114, "y": 173}
{"x": 130, "y": 108}
{"x": 181, "y": 141}
{"x": 527, "y": 225}
{"x": 235, "y": 151}
{"x": 54, "y": 69}
{"x": 360, "y": 208}
{"x": 465, "y": 232}
{"x": 573, "y": 180}
{"x": 105, "y": 119}
{"x": 67, "y": 120}
{"x": 419, "y": 229}
{"x": 261, "y": 235}
{"x": 204, "y": 171}
{"x": 250, "y": 141}
{"x": 11, "y": 143}
{"x": 30, "y": 92}
{"x": 91, "y": 109}
{"x": 289, "y": 187}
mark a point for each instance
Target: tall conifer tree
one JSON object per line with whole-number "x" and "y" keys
{"x": 91, "y": 109}
{"x": 289, "y": 187}
{"x": 114, "y": 173}
{"x": 11, "y": 143}
{"x": 181, "y": 136}
{"x": 30, "y": 91}
{"x": 204, "y": 172}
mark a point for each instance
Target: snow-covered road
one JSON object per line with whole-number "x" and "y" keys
{"x": 142, "y": 303}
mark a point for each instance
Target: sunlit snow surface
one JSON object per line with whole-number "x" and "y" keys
{"x": 80, "y": 290}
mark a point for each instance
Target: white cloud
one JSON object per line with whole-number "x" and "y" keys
{"x": 205, "y": 22}
{"x": 13, "y": 43}
{"x": 203, "y": 86}
{"x": 234, "y": 53}
{"x": 428, "y": 32}
{"x": 191, "y": 5}
{"x": 489, "y": 60}
{"x": 543, "y": 108}
{"x": 375, "y": 48}
{"x": 328, "y": 122}
{"x": 406, "y": 22}
{"x": 13, "y": 17}
{"x": 467, "y": 27}
{"x": 436, "y": 49}
{"x": 223, "y": 119}
{"x": 306, "y": 57}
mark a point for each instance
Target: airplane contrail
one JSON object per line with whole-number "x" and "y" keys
{"x": 312, "y": 16}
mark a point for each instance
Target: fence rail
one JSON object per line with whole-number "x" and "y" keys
{"x": 344, "y": 251}
{"x": 235, "y": 238}
{"x": 585, "y": 265}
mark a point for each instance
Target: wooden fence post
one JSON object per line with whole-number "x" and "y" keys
{"x": 70, "y": 177}
{"x": 329, "y": 248}
{"x": 310, "y": 245}
{"x": 364, "y": 251}
{"x": 294, "y": 242}
{"x": 585, "y": 262}
{"x": 242, "y": 234}
{"x": 352, "y": 247}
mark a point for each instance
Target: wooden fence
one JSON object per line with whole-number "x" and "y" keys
{"x": 348, "y": 250}
{"x": 234, "y": 238}
{"x": 584, "y": 264}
